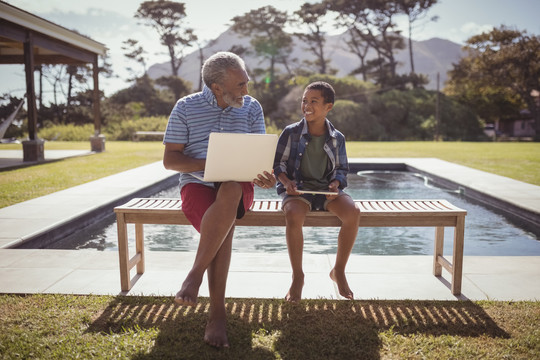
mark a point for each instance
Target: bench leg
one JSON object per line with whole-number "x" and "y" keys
{"x": 457, "y": 261}
{"x": 139, "y": 246}
{"x": 438, "y": 251}
{"x": 123, "y": 252}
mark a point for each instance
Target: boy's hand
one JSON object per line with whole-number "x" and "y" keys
{"x": 334, "y": 187}
{"x": 291, "y": 188}
{"x": 290, "y": 185}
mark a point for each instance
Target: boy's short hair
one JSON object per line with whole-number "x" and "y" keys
{"x": 326, "y": 90}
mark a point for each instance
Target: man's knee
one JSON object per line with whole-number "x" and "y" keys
{"x": 230, "y": 191}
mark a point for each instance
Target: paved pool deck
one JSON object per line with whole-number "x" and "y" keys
{"x": 27, "y": 271}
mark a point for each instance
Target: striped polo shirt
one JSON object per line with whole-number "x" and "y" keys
{"x": 195, "y": 116}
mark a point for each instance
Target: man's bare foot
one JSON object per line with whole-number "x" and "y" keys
{"x": 341, "y": 281}
{"x": 216, "y": 333}
{"x": 187, "y": 295}
{"x": 295, "y": 291}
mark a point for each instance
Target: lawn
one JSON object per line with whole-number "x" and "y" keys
{"x": 127, "y": 327}
{"x": 519, "y": 161}
{"x": 50, "y": 326}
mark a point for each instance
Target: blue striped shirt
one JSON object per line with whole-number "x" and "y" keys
{"x": 195, "y": 116}
{"x": 292, "y": 145}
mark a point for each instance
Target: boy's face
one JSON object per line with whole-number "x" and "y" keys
{"x": 314, "y": 108}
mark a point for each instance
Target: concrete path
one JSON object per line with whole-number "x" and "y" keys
{"x": 269, "y": 275}
{"x": 12, "y": 159}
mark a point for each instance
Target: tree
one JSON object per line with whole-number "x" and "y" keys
{"x": 503, "y": 63}
{"x": 134, "y": 51}
{"x": 265, "y": 27}
{"x": 176, "y": 84}
{"x": 360, "y": 49}
{"x": 144, "y": 93}
{"x": 371, "y": 21}
{"x": 312, "y": 17}
{"x": 415, "y": 10}
{"x": 166, "y": 17}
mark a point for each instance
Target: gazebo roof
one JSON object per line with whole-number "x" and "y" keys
{"x": 53, "y": 44}
{"x": 30, "y": 40}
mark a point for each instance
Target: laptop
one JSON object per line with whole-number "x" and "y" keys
{"x": 238, "y": 157}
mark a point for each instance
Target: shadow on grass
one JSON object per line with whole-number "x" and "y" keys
{"x": 313, "y": 329}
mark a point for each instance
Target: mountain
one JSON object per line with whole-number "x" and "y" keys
{"x": 430, "y": 57}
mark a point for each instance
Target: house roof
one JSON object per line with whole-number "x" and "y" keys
{"x": 53, "y": 44}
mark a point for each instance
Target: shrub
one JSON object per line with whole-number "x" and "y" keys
{"x": 124, "y": 130}
{"x": 67, "y": 132}
{"x": 355, "y": 121}
{"x": 117, "y": 131}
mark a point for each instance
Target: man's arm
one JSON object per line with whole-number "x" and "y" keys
{"x": 175, "y": 159}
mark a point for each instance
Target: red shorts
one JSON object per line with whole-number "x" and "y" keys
{"x": 197, "y": 198}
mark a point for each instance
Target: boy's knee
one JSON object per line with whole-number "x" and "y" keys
{"x": 355, "y": 214}
{"x": 294, "y": 217}
{"x": 295, "y": 213}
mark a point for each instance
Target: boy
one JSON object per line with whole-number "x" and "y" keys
{"x": 311, "y": 156}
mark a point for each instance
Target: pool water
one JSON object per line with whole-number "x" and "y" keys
{"x": 486, "y": 232}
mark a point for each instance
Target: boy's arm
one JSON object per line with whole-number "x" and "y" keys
{"x": 342, "y": 164}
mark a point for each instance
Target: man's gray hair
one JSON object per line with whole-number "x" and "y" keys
{"x": 215, "y": 67}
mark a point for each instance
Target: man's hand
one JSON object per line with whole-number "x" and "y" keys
{"x": 265, "y": 180}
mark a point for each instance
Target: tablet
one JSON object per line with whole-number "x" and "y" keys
{"x": 238, "y": 156}
{"x": 318, "y": 192}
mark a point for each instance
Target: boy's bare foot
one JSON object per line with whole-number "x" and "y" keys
{"x": 295, "y": 291}
{"x": 187, "y": 295}
{"x": 216, "y": 333}
{"x": 341, "y": 281}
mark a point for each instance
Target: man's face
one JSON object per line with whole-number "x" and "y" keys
{"x": 233, "y": 89}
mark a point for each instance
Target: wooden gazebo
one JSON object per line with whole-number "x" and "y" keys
{"x": 30, "y": 40}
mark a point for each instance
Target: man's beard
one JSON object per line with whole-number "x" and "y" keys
{"x": 232, "y": 101}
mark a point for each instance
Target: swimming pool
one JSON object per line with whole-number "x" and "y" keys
{"x": 486, "y": 232}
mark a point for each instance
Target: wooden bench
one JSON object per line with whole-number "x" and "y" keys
{"x": 374, "y": 213}
{"x": 137, "y": 135}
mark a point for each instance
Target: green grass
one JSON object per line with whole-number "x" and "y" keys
{"x": 105, "y": 327}
{"x": 30, "y": 182}
{"x": 139, "y": 327}
{"x": 519, "y": 161}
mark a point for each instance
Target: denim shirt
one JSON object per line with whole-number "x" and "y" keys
{"x": 292, "y": 145}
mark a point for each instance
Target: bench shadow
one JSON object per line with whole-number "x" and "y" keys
{"x": 312, "y": 329}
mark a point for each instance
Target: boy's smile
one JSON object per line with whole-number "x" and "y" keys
{"x": 313, "y": 106}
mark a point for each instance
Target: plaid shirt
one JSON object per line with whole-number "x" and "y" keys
{"x": 292, "y": 145}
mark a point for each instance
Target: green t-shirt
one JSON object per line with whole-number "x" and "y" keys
{"x": 314, "y": 163}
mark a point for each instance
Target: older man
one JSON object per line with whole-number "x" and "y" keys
{"x": 212, "y": 208}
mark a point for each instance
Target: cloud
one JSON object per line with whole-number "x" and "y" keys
{"x": 470, "y": 29}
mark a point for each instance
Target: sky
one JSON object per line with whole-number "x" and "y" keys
{"x": 112, "y": 21}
